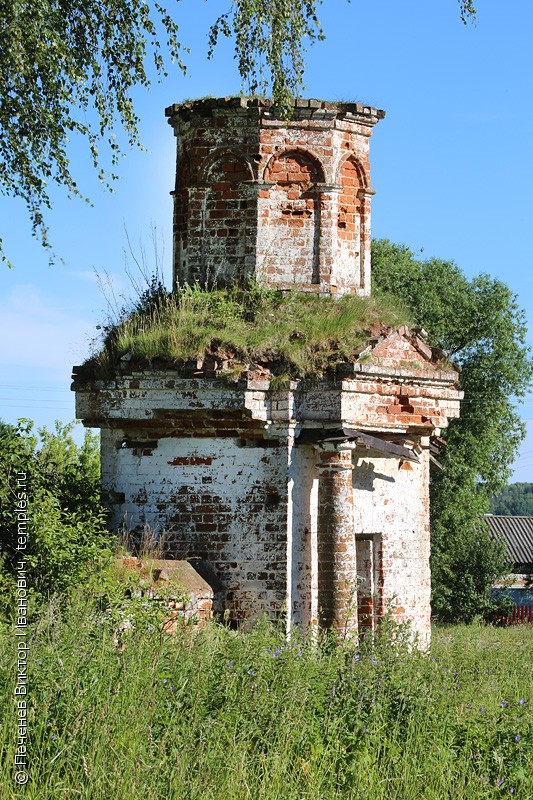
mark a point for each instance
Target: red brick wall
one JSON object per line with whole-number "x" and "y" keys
{"x": 256, "y": 195}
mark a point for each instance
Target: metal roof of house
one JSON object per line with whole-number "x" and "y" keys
{"x": 517, "y": 535}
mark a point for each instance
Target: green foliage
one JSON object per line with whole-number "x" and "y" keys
{"x": 269, "y": 44}
{"x": 57, "y": 63}
{"x": 294, "y": 334}
{"x": 515, "y": 500}
{"x": 67, "y": 70}
{"x": 228, "y": 716}
{"x": 66, "y": 523}
{"x": 482, "y": 329}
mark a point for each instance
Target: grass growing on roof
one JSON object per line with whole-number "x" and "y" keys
{"x": 297, "y": 334}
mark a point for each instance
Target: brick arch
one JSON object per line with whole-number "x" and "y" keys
{"x": 290, "y": 211}
{"x": 220, "y": 221}
{"x": 351, "y": 234}
{"x": 294, "y": 165}
{"x": 350, "y": 163}
{"x": 227, "y": 163}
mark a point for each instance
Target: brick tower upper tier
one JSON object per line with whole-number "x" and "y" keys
{"x": 284, "y": 201}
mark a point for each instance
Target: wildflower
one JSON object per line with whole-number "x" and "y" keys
{"x": 517, "y": 737}
{"x": 357, "y": 657}
{"x": 165, "y": 680}
{"x": 299, "y": 652}
{"x": 511, "y": 791}
{"x": 373, "y": 660}
{"x": 53, "y": 737}
{"x": 230, "y": 664}
{"x": 251, "y": 672}
{"x": 40, "y": 663}
{"x": 521, "y": 701}
{"x": 503, "y": 704}
{"x": 483, "y": 711}
{"x": 500, "y": 781}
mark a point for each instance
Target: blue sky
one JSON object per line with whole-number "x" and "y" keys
{"x": 451, "y": 164}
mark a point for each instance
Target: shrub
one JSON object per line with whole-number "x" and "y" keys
{"x": 65, "y": 521}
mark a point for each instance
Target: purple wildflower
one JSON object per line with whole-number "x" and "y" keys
{"x": 521, "y": 701}
{"x": 503, "y": 704}
{"x": 251, "y": 672}
{"x": 517, "y": 737}
{"x": 230, "y": 665}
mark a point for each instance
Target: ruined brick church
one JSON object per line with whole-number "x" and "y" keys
{"x": 310, "y": 501}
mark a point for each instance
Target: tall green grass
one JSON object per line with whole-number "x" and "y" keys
{"x": 297, "y": 334}
{"x": 220, "y": 715}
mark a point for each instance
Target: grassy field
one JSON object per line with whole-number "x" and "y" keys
{"x": 227, "y": 716}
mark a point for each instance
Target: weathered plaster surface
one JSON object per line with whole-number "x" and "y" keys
{"x": 326, "y": 531}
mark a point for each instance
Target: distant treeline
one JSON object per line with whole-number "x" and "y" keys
{"x": 515, "y": 500}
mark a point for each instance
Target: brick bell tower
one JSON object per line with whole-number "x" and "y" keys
{"x": 308, "y": 499}
{"x": 286, "y": 202}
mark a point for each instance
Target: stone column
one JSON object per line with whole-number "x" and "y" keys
{"x": 337, "y": 569}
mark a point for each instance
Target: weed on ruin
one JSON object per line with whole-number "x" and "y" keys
{"x": 282, "y": 333}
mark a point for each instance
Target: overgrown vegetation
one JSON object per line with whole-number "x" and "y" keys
{"x": 515, "y": 500}
{"x": 219, "y": 715}
{"x": 64, "y": 518}
{"x": 480, "y": 326}
{"x": 293, "y": 333}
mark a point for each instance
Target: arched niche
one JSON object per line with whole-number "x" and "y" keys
{"x": 219, "y": 219}
{"x": 350, "y": 227}
{"x": 290, "y": 215}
